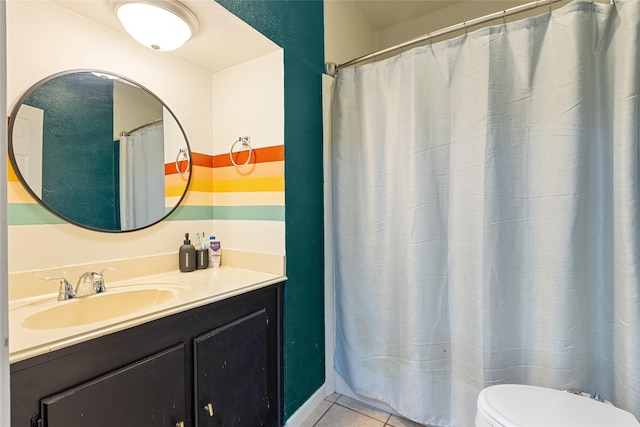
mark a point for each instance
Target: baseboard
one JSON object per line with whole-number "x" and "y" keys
{"x": 307, "y": 408}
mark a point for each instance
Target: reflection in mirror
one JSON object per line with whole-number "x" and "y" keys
{"x": 99, "y": 151}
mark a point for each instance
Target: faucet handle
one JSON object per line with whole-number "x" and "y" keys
{"x": 108, "y": 269}
{"x": 98, "y": 280}
{"x": 65, "y": 291}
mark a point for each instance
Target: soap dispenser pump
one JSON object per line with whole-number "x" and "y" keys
{"x": 187, "y": 255}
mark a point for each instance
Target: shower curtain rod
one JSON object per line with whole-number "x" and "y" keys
{"x": 147, "y": 125}
{"x": 332, "y": 68}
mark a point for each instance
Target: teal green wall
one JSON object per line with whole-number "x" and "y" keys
{"x": 78, "y": 122}
{"x": 298, "y": 27}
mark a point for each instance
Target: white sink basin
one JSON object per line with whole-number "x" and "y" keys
{"x": 98, "y": 308}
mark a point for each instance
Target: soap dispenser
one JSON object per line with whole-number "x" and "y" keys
{"x": 187, "y": 255}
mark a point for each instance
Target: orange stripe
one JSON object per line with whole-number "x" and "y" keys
{"x": 259, "y": 170}
{"x": 259, "y": 155}
{"x": 198, "y": 159}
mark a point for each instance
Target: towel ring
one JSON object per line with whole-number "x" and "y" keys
{"x": 183, "y": 153}
{"x": 245, "y": 145}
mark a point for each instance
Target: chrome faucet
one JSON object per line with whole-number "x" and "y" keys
{"x": 97, "y": 280}
{"x": 66, "y": 291}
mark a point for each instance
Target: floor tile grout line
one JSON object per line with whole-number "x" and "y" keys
{"x": 324, "y": 413}
{"x": 368, "y": 416}
{"x": 335, "y": 402}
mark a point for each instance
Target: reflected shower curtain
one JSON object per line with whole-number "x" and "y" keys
{"x": 486, "y": 215}
{"x": 142, "y": 198}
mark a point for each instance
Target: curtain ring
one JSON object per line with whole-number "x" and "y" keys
{"x": 550, "y": 1}
{"x": 504, "y": 16}
{"x": 244, "y": 140}
{"x": 184, "y": 153}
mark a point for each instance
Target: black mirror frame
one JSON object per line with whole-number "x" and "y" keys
{"x": 26, "y": 186}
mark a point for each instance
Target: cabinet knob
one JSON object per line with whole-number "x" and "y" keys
{"x": 209, "y": 409}
{"x": 180, "y": 424}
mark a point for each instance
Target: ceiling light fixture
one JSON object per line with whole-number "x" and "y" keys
{"x": 157, "y": 24}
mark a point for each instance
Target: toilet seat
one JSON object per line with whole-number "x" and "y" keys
{"x": 531, "y": 406}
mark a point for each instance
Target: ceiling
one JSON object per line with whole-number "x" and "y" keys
{"x": 385, "y": 13}
{"x": 222, "y": 40}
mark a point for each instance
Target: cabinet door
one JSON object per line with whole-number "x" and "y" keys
{"x": 147, "y": 393}
{"x": 231, "y": 374}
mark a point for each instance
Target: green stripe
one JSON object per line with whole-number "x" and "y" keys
{"x": 243, "y": 213}
{"x": 238, "y": 213}
{"x": 34, "y": 214}
{"x": 191, "y": 213}
{"x": 30, "y": 214}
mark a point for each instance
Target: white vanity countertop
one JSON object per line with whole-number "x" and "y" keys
{"x": 191, "y": 290}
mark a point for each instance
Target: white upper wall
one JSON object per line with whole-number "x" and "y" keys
{"x": 452, "y": 15}
{"x": 249, "y": 101}
{"x": 58, "y": 39}
{"x": 347, "y": 33}
{"x": 44, "y": 38}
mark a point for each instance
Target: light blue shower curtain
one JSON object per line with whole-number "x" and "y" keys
{"x": 142, "y": 192}
{"x": 486, "y": 211}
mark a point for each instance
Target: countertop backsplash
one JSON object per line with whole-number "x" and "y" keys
{"x": 29, "y": 283}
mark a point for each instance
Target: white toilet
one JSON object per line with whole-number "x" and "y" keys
{"x": 529, "y": 406}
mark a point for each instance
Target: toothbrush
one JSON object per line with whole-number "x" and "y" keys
{"x": 201, "y": 237}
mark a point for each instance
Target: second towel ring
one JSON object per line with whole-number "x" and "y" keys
{"x": 244, "y": 140}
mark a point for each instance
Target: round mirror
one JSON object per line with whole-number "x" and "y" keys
{"x": 99, "y": 151}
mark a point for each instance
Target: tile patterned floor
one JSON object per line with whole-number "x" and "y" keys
{"x": 341, "y": 411}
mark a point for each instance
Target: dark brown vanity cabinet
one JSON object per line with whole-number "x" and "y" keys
{"x": 215, "y": 365}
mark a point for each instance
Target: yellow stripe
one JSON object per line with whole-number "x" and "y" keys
{"x": 263, "y": 198}
{"x": 262, "y": 177}
{"x": 11, "y": 174}
{"x": 173, "y": 190}
{"x": 249, "y": 184}
{"x": 198, "y": 198}
{"x": 197, "y": 184}
{"x": 17, "y": 194}
{"x": 200, "y": 184}
{"x": 202, "y": 174}
{"x": 255, "y": 170}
